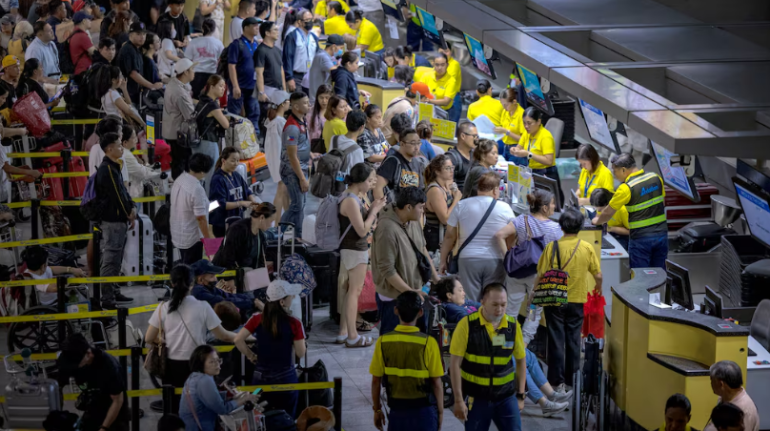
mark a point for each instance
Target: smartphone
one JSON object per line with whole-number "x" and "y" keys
{"x": 256, "y": 391}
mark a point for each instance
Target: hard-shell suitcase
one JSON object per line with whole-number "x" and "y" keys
{"x": 77, "y": 185}
{"x": 326, "y": 268}
{"x": 52, "y": 189}
{"x": 241, "y": 135}
{"x": 252, "y": 168}
{"x": 138, "y": 253}
{"x": 27, "y": 404}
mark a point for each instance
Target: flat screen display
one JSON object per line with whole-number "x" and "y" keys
{"x": 756, "y": 210}
{"x": 393, "y": 8}
{"x": 428, "y": 23}
{"x": 534, "y": 92}
{"x": 596, "y": 123}
{"x": 673, "y": 176}
{"x": 479, "y": 60}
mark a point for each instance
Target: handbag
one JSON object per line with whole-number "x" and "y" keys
{"x": 257, "y": 278}
{"x": 453, "y": 265}
{"x": 551, "y": 289}
{"x": 593, "y": 310}
{"x": 423, "y": 262}
{"x": 157, "y": 354}
{"x": 521, "y": 260}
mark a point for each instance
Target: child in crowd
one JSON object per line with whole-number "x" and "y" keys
{"x": 452, "y": 296}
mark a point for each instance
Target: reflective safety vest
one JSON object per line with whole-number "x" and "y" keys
{"x": 406, "y": 379}
{"x": 488, "y": 371}
{"x": 646, "y": 209}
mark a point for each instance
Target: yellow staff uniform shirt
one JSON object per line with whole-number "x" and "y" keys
{"x": 439, "y": 87}
{"x": 623, "y": 193}
{"x": 620, "y": 219}
{"x": 432, "y": 355}
{"x": 460, "y": 336}
{"x": 584, "y": 262}
{"x": 370, "y": 36}
{"x": 391, "y": 72}
{"x": 337, "y": 25}
{"x": 601, "y": 179}
{"x": 540, "y": 144}
{"x": 489, "y": 106}
{"x": 333, "y": 127}
{"x": 320, "y": 8}
{"x": 455, "y": 71}
{"x": 419, "y": 73}
{"x": 514, "y": 123}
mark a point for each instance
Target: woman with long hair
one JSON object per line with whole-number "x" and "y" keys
{"x": 167, "y": 55}
{"x": 356, "y": 223}
{"x": 318, "y": 112}
{"x": 212, "y": 122}
{"x": 205, "y": 51}
{"x": 593, "y": 174}
{"x": 280, "y": 340}
{"x": 335, "y": 114}
{"x": 150, "y": 51}
{"x": 30, "y": 82}
{"x": 138, "y": 172}
{"x": 229, "y": 189}
{"x": 110, "y": 81}
{"x": 483, "y": 159}
{"x": 185, "y": 322}
{"x": 372, "y": 141}
{"x": 276, "y": 117}
{"x": 442, "y": 196}
{"x": 214, "y": 10}
{"x": 245, "y": 243}
{"x": 118, "y": 30}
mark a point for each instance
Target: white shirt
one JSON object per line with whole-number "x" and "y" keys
{"x": 137, "y": 173}
{"x": 370, "y": 5}
{"x": 199, "y": 318}
{"x": 95, "y": 157}
{"x": 205, "y": 51}
{"x": 236, "y": 28}
{"x": 468, "y": 213}
{"x": 108, "y": 103}
{"x": 354, "y": 158}
{"x": 273, "y": 145}
{"x": 46, "y": 298}
{"x": 188, "y": 201}
{"x": 165, "y": 64}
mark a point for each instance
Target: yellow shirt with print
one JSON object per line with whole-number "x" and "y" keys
{"x": 333, "y": 127}
{"x": 432, "y": 355}
{"x": 337, "y": 25}
{"x": 601, "y": 179}
{"x": 439, "y": 87}
{"x": 460, "y": 336}
{"x": 370, "y": 36}
{"x": 514, "y": 123}
{"x": 320, "y": 8}
{"x": 623, "y": 194}
{"x": 584, "y": 262}
{"x": 540, "y": 144}
{"x": 489, "y": 106}
{"x": 454, "y": 70}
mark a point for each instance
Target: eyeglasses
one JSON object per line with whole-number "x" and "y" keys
{"x": 217, "y": 361}
{"x": 413, "y": 143}
{"x": 474, "y": 136}
{"x": 449, "y": 168}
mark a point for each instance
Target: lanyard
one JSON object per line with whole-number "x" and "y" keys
{"x": 251, "y": 47}
{"x": 588, "y": 186}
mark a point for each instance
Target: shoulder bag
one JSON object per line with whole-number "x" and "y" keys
{"x": 260, "y": 277}
{"x": 157, "y": 354}
{"x": 551, "y": 289}
{"x": 423, "y": 263}
{"x": 521, "y": 260}
{"x": 453, "y": 265}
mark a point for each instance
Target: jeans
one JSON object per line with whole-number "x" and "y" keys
{"x": 564, "y": 325}
{"x": 296, "y": 211}
{"x": 180, "y": 157}
{"x": 247, "y": 101}
{"x": 389, "y": 320}
{"x": 211, "y": 149}
{"x": 648, "y": 251}
{"x": 421, "y": 418}
{"x": 504, "y": 413}
{"x": 284, "y": 400}
{"x": 192, "y": 254}
{"x": 113, "y": 242}
{"x": 535, "y": 377}
{"x": 456, "y": 110}
{"x": 623, "y": 240}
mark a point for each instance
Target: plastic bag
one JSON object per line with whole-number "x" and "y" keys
{"x": 366, "y": 300}
{"x": 33, "y": 113}
{"x": 593, "y": 315}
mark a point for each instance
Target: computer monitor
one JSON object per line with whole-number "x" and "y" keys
{"x": 479, "y": 60}
{"x": 535, "y": 94}
{"x": 545, "y": 183}
{"x": 755, "y": 204}
{"x": 596, "y": 123}
{"x": 752, "y": 175}
{"x": 429, "y": 28}
{"x": 713, "y": 303}
{"x": 574, "y": 200}
{"x": 678, "y": 287}
{"x": 393, "y": 8}
{"x": 674, "y": 176}
{"x": 374, "y": 66}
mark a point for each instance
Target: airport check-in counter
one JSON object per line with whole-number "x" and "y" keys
{"x": 652, "y": 353}
{"x": 383, "y": 91}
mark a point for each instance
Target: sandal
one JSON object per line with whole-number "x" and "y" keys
{"x": 364, "y": 326}
{"x": 340, "y": 339}
{"x": 360, "y": 342}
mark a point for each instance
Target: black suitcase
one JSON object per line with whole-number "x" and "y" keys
{"x": 326, "y": 267}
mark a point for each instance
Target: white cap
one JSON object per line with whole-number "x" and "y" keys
{"x": 279, "y": 289}
{"x": 279, "y": 97}
{"x": 182, "y": 65}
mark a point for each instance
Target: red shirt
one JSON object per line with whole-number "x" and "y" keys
{"x": 298, "y": 332}
{"x": 79, "y": 46}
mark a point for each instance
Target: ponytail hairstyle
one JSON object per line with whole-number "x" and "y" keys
{"x": 353, "y": 16}
{"x": 509, "y": 95}
{"x": 483, "y": 86}
{"x": 209, "y": 26}
{"x": 404, "y": 75}
{"x": 292, "y": 17}
{"x": 425, "y": 129}
{"x": 484, "y": 147}
{"x": 181, "y": 282}
{"x": 226, "y": 153}
{"x": 358, "y": 174}
{"x": 533, "y": 113}
{"x": 348, "y": 57}
{"x": 538, "y": 200}
{"x": 434, "y": 167}
{"x": 265, "y": 209}
{"x": 213, "y": 80}
{"x": 403, "y": 52}
{"x": 30, "y": 66}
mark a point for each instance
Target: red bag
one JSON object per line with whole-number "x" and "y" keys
{"x": 367, "y": 301}
{"x": 593, "y": 315}
{"x": 33, "y": 113}
{"x": 163, "y": 154}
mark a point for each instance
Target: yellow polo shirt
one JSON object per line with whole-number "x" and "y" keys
{"x": 620, "y": 219}
{"x": 333, "y": 127}
{"x": 514, "y": 123}
{"x": 460, "y": 336}
{"x": 455, "y": 71}
{"x": 440, "y": 87}
{"x": 489, "y": 106}
{"x": 601, "y": 179}
{"x": 370, "y": 36}
{"x": 540, "y": 144}
{"x": 432, "y": 355}
{"x": 420, "y": 72}
{"x": 320, "y": 8}
{"x": 584, "y": 262}
{"x": 337, "y": 25}
{"x": 623, "y": 193}
{"x": 391, "y": 72}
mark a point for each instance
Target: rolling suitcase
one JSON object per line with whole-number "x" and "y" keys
{"x": 138, "y": 253}
{"x": 52, "y": 189}
{"x": 295, "y": 270}
{"x": 28, "y": 404}
{"x": 326, "y": 268}
{"x": 252, "y": 168}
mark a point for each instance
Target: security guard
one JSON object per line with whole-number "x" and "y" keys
{"x": 484, "y": 346}
{"x": 643, "y": 195}
{"x": 407, "y": 363}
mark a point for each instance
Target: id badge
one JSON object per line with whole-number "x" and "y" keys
{"x": 498, "y": 340}
{"x": 340, "y": 176}
{"x": 508, "y": 345}
{"x": 255, "y": 76}
{"x": 308, "y": 66}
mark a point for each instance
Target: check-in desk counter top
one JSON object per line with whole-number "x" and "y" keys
{"x": 652, "y": 353}
{"x": 383, "y": 91}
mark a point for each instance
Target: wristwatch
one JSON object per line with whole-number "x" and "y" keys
{"x": 521, "y": 395}
{"x": 529, "y": 156}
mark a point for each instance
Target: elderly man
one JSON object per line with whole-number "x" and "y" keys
{"x": 727, "y": 383}
{"x": 44, "y": 49}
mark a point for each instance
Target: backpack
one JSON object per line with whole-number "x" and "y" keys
{"x": 327, "y": 222}
{"x": 66, "y": 65}
{"x": 162, "y": 219}
{"x": 222, "y": 62}
{"x": 551, "y": 289}
{"x": 91, "y": 206}
{"x": 521, "y": 260}
{"x": 329, "y": 178}
{"x": 82, "y": 91}
{"x": 188, "y": 135}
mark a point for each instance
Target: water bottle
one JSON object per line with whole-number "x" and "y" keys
{"x": 26, "y": 359}
{"x": 532, "y": 315}
{"x": 502, "y": 190}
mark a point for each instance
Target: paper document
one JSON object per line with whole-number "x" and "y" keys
{"x": 486, "y": 128}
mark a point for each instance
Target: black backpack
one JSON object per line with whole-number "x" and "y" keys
{"x": 66, "y": 65}
{"x": 222, "y": 63}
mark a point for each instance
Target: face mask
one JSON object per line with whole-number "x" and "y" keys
{"x": 173, "y": 32}
{"x": 338, "y": 54}
{"x": 212, "y": 285}
{"x": 309, "y": 25}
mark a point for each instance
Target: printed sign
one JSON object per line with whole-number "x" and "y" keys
{"x": 150, "y": 120}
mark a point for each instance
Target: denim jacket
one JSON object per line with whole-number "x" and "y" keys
{"x": 207, "y": 401}
{"x": 455, "y": 313}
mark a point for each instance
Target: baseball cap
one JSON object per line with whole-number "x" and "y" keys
{"x": 335, "y": 39}
{"x": 279, "y": 97}
{"x": 249, "y": 21}
{"x": 80, "y": 16}
{"x": 279, "y": 289}
{"x": 422, "y": 88}
{"x": 10, "y": 60}
{"x": 182, "y": 65}
{"x": 6, "y": 19}
{"x": 137, "y": 27}
{"x": 204, "y": 266}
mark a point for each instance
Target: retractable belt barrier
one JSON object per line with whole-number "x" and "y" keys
{"x": 45, "y": 155}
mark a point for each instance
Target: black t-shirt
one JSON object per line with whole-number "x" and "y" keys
{"x": 97, "y": 382}
{"x": 462, "y": 170}
{"x": 130, "y": 59}
{"x": 401, "y": 173}
{"x": 208, "y": 127}
{"x": 11, "y": 94}
{"x": 29, "y": 86}
{"x": 181, "y": 24}
{"x": 269, "y": 57}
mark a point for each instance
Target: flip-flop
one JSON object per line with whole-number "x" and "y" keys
{"x": 340, "y": 339}
{"x": 360, "y": 342}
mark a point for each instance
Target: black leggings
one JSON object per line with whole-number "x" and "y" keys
{"x": 177, "y": 373}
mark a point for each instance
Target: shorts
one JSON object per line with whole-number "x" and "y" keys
{"x": 352, "y": 258}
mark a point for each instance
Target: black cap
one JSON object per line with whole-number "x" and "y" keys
{"x": 203, "y": 266}
{"x": 335, "y": 39}
{"x": 249, "y": 21}
{"x": 137, "y": 27}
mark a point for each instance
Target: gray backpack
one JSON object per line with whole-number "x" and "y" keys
{"x": 328, "y": 179}
{"x": 327, "y": 222}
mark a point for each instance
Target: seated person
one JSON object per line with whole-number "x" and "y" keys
{"x": 452, "y": 296}
{"x": 205, "y": 289}
{"x": 727, "y": 417}
{"x": 677, "y": 414}
{"x": 618, "y": 225}
{"x": 230, "y": 315}
{"x": 36, "y": 259}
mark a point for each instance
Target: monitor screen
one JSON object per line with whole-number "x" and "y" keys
{"x": 374, "y": 65}
{"x": 428, "y": 23}
{"x": 596, "y": 123}
{"x": 479, "y": 60}
{"x": 752, "y": 175}
{"x": 680, "y": 290}
{"x": 674, "y": 176}
{"x": 545, "y": 183}
{"x": 534, "y": 92}
{"x": 393, "y": 8}
{"x": 756, "y": 209}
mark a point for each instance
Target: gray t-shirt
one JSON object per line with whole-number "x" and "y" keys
{"x": 295, "y": 134}
{"x": 320, "y": 72}
{"x": 269, "y": 57}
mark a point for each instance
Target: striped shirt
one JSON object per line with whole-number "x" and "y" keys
{"x": 548, "y": 229}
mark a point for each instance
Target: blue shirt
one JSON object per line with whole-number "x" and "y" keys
{"x": 214, "y": 296}
{"x": 427, "y": 149}
{"x": 241, "y": 54}
{"x": 455, "y": 313}
{"x": 227, "y": 188}
{"x": 207, "y": 401}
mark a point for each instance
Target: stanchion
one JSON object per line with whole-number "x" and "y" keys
{"x": 136, "y": 356}
{"x": 61, "y": 298}
{"x": 150, "y": 154}
{"x": 96, "y": 265}
{"x": 337, "y": 409}
{"x": 168, "y": 399}
{"x": 122, "y": 315}
{"x": 65, "y": 186}
{"x": 35, "y": 216}
{"x": 169, "y": 245}
{"x": 240, "y": 275}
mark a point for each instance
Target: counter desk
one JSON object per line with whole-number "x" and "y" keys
{"x": 383, "y": 91}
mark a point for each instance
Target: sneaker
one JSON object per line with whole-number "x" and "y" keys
{"x": 560, "y": 397}
{"x": 562, "y": 388}
{"x": 551, "y": 408}
{"x": 108, "y": 305}
{"x": 122, "y": 299}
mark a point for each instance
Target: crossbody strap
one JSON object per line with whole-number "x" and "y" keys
{"x": 557, "y": 256}
{"x": 186, "y": 329}
{"x": 192, "y": 407}
{"x": 529, "y": 230}
{"x": 478, "y": 226}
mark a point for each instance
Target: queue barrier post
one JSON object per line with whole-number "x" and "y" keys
{"x": 35, "y": 216}
{"x": 61, "y": 299}
{"x": 337, "y": 409}
{"x": 122, "y": 316}
{"x": 169, "y": 245}
{"x": 150, "y": 154}
{"x": 66, "y": 156}
{"x": 136, "y": 356}
{"x": 240, "y": 275}
{"x": 168, "y": 399}
{"x": 96, "y": 263}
